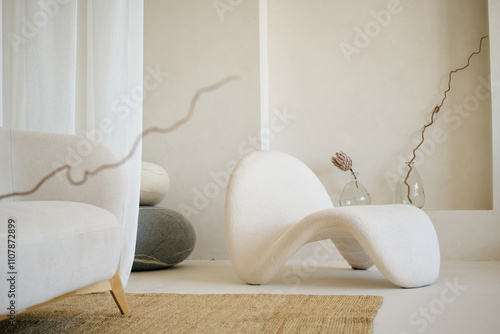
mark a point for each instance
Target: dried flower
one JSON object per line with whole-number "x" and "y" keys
{"x": 343, "y": 162}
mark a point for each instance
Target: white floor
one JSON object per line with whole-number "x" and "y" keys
{"x": 465, "y": 298}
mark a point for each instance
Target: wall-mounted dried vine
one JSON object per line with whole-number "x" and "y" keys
{"x": 436, "y": 111}
{"x": 90, "y": 173}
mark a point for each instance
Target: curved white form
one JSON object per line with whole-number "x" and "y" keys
{"x": 275, "y": 204}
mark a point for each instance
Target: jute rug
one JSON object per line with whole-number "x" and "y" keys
{"x": 184, "y": 313}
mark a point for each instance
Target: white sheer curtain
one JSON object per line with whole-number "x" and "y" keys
{"x": 75, "y": 66}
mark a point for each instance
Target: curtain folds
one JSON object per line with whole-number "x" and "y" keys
{"x": 75, "y": 66}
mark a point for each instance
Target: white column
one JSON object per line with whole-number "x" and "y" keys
{"x": 264, "y": 77}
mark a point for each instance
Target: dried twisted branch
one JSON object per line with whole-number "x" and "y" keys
{"x": 436, "y": 111}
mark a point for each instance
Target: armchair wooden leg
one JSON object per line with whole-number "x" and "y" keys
{"x": 114, "y": 285}
{"x": 119, "y": 294}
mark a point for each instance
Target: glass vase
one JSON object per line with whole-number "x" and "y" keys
{"x": 354, "y": 193}
{"x": 410, "y": 188}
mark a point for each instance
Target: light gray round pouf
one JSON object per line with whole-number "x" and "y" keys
{"x": 164, "y": 238}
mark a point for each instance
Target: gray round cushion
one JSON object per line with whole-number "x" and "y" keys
{"x": 164, "y": 238}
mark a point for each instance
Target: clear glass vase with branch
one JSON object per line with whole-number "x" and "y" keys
{"x": 410, "y": 188}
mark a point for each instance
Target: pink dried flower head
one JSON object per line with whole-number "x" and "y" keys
{"x": 342, "y": 161}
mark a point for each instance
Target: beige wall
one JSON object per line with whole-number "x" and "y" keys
{"x": 331, "y": 88}
{"x": 197, "y": 47}
{"x": 369, "y": 93}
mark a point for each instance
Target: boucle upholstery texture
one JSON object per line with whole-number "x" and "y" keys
{"x": 67, "y": 237}
{"x": 27, "y": 156}
{"x": 275, "y": 204}
{"x": 61, "y": 247}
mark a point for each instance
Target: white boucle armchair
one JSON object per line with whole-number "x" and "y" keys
{"x": 275, "y": 204}
{"x": 67, "y": 238}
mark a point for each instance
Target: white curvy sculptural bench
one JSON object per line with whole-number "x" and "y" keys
{"x": 275, "y": 204}
{"x": 67, "y": 239}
